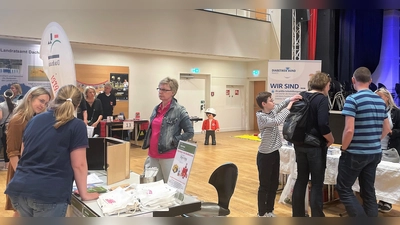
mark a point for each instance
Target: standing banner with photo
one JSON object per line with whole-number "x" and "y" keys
{"x": 58, "y": 60}
{"x": 181, "y": 167}
{"x": 289, "y": 77}
{"x": 20, "y": 63}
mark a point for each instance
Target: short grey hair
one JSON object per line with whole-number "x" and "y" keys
{"x": 90, "y": 88}
{"x": 172, "y": 83}
{"x": 108, "y": 84}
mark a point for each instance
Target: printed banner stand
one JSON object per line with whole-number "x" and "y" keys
{"x": 289, "y": 77}
{"x": 181, "y": 167}
{"x": 58, "y": 60}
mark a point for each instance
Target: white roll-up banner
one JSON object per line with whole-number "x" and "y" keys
{"x": 289, "y": 77}
{"x": 58, "y": 60}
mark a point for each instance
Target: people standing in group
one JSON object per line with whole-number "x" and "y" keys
{"x": 268, "y": 160}
{"x": 33, "y": 103}
{"x": 17, "y": 90}
{"x": 6, "y": 112}
{"x": 366, "y": 123}
{"x": 94, "y": 109}
{"x": 312, "y": 159}
{"x": 50, "y": 162}
{"x": 392, "y": 140}
{"x": 108, "y": 100}
{"x": 167, "y": 121}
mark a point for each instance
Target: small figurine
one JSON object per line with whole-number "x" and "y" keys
{"x": 210, "y": 125}
{"x": 184, "y": 172}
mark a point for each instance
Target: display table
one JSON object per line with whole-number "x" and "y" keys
{"x": 118, "y": 125}
{"x": 387, "y": 181}
{"x": 79, "y": 208}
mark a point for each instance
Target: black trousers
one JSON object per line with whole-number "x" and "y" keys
{"x": 208, "y": 134}
{"x": 268, "y": 176}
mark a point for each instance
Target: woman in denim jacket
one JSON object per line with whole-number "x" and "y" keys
{"x": 164, "y": 133}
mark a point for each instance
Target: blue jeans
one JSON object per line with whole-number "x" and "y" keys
{"x": 28, "y": 207}
{"x": 363, "y": 167}
{"x": 310, "y": 160}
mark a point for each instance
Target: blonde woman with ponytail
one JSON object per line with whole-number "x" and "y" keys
{"x": 54, "y": 155}
{"x": 34, "y": 102}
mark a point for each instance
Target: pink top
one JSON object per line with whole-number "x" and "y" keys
{"x": 155, "y": 134}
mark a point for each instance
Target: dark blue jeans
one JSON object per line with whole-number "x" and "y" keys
{"x": 268, "y": 175}
{"x": 310, "y": 160}
{"x": 353, "y": 166}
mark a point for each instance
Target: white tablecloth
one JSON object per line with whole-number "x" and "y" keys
{"x": 387, "y": 182}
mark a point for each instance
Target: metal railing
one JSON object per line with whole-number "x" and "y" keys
{"x": 245, "y": 13}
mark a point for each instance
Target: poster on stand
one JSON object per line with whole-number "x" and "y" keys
{"x": 289, "y": 77}
{"x": 20, "y": 63}
{"x": 58, "y": 60}
{"x": 181, "y": 167}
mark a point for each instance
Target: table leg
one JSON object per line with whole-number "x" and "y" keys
{"x": 192, "y": 139}
{"x": 136, "y": 134}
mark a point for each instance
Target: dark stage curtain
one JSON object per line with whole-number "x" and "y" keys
{"x": 360, "y": 35}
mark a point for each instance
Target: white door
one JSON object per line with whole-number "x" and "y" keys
{"x": 192, "y": 96}
{"x": 235, "y": 109}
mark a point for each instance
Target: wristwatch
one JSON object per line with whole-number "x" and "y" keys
{"x": 341, "y": 149}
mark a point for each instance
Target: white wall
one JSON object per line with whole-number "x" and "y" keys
{"x": 146, "y": 70}
{"x": 275, "y": 15}
{"x": 190, "y": 30}
{"x": 185, "y": 31}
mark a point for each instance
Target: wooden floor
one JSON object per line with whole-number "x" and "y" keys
{"x": 242, "y": 152}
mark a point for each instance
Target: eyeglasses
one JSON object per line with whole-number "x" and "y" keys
{"x": 162, "y": 90}
{"x": 43, "y": 102}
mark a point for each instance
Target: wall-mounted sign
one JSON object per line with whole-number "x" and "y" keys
{"x": 256, "y": 73}
{"x": 228, "y": 92}
{"x": 195, "y": 70}
{"x": 212, "y": 94}
{"x": 236, "y": 92}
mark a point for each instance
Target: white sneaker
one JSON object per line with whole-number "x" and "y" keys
{"x": 270, "y": 214}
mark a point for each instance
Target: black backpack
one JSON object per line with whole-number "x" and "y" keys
{"x": 295, "y": 125}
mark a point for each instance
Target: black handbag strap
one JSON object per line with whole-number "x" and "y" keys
{"x": 5, "y": 121}
{"x": 93, "y": 111}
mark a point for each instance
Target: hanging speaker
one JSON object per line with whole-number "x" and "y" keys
{"x": 302, "y": 15}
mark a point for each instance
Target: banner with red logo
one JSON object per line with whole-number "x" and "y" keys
{"x": 58, "y": 60}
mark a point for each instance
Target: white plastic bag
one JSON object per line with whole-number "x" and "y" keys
{"x": 118, "y": 201}
{"x": 286, "y": 195}
{"x": 90, "y": 130}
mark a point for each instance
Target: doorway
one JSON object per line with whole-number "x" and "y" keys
{"x": 235, "y": 101}
{"x": 259, "y": 86}
{"x": 192, "y": 95}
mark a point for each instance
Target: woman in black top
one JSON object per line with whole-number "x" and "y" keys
{"x": 94, "y": 109}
